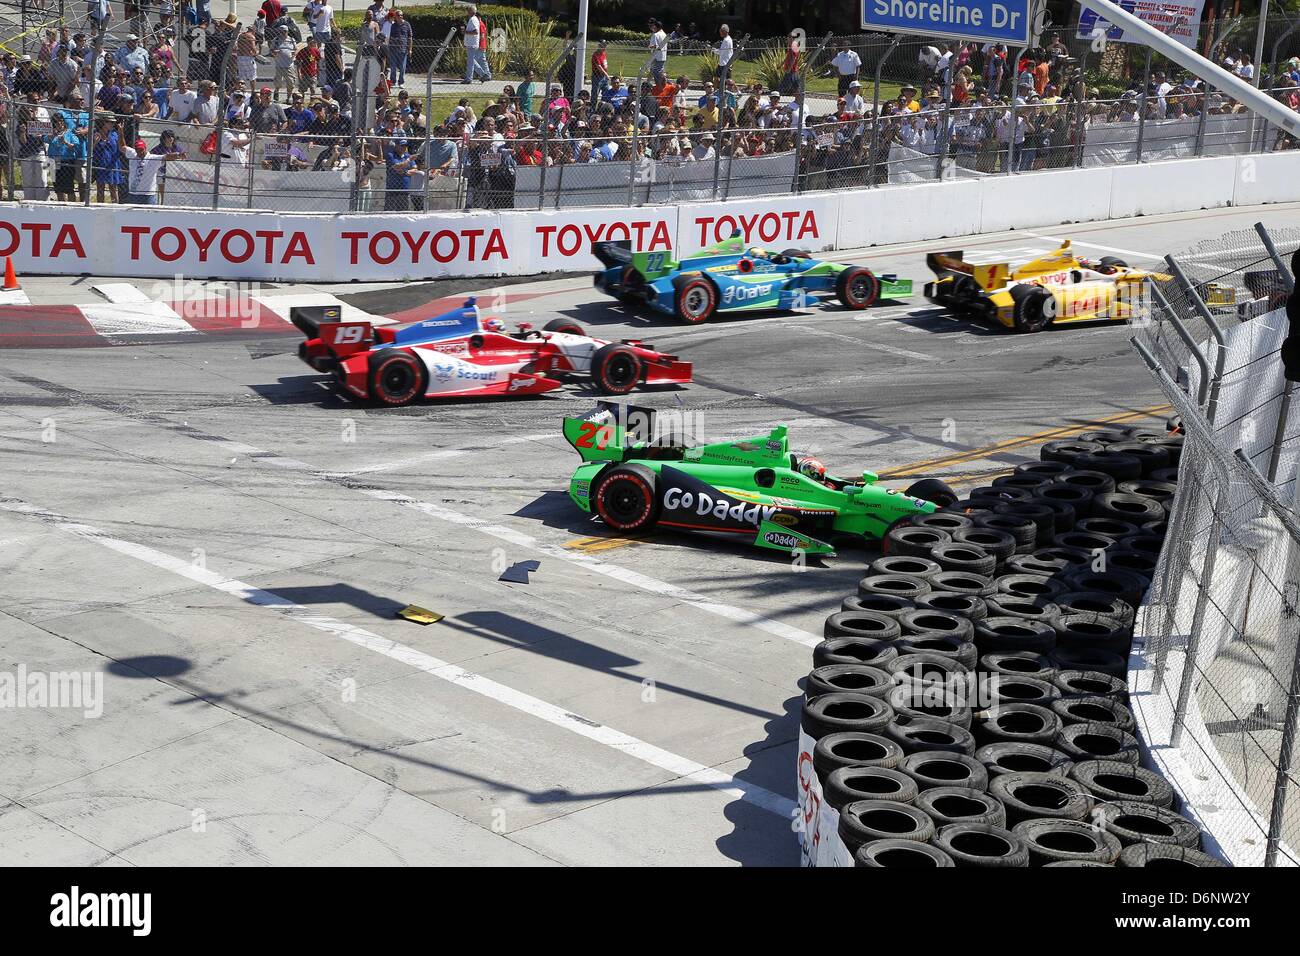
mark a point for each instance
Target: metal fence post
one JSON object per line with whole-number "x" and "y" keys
{"x": 724, "y": 76}
{"x": 1142, "y": 105}
{"x": 875, "y": 109}
{"x": 546, "y": 126}
{"x": 941, "y": 141}
{"x": 802, "y": 99}
{"x": 11, "y": 133}
{"x": 221, "y": 118}
{"x": 96, "y": 45}
{"x": 632, "y": 159}
{"x": 1221, "y": 352}
{"x": 359, "y": 94}
{"x": 1198, "y": 618}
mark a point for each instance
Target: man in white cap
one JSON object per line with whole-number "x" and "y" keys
{"x": 702, "y": 151}
{"x": 132, "y": 56}
{"x": 853, "y": 101}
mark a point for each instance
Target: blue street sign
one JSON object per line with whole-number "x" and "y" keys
{"x": 994, "y": 21}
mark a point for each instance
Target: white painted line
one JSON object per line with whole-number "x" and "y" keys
{"x": 126, "y": 322}
{"x": 681, "y": 767}
{"x": 1093, "y": 245}
{"x": 121, "y": 293}
{"x": 280, "y": 304}
{"x": 874, "y": 346}
{"x": 627, "y": 576}
{"x": 14, "y": 297}
{"x": 441, "y": 454}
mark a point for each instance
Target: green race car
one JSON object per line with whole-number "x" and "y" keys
{"x": 754, "y": 488}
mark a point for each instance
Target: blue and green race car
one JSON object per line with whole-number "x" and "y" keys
{"x": 728, "y": 277}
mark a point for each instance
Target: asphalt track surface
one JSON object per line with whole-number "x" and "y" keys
{"x": 228, "y": 541}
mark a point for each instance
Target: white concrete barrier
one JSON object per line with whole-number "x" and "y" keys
{"x": 1045, "y": 199}
{"x": 910, "y": 213}
{"x": 143, "y": 241}
{"x": 1182, "y": 185}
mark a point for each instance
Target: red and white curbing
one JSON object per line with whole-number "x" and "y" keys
{"x": 131, "y": 318}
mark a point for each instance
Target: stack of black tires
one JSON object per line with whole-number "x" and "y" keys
{"x": 968, "y": 706}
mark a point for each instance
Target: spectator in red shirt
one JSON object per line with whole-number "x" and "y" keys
{"x": 790, "y": 67}
{"x": 599, "y": 71}
{"x": 308, "y": 61}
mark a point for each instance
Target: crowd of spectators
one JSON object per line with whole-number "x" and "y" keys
{"x": 976, "y": 104}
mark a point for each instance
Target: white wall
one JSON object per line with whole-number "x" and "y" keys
{"x": 54, "y": 239}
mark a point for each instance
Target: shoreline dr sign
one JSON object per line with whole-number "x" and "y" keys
{"x": 1177, "y": 19}
{"x": 992, "y": 21}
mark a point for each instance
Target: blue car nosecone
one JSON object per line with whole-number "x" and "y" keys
{"x": 731, "y": 277}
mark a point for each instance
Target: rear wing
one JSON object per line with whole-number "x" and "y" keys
{"x": 308, "y": 319}
{"x": 944, "y": 262}
{"x": 988, "y": 276}
{"x": 605, "y": 432}
{"x": 613, "y": 253}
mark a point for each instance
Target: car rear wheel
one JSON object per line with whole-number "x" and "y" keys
{"x": 1033, "y": 308}
{"x": 857, "y": 288}
{"x": 396, "y": 377}
{"x": 616, "y": 369}
{"x": 567, "y": 326}
{"x": 627, "y": 498}
{"x": 697, "y": 299}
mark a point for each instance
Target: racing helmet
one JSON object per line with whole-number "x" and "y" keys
{"x": 493, "y": 325}
{"x": 758, "y": 252}
{"x": 812, "y": 468}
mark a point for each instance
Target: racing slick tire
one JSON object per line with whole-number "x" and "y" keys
{"x": 627, "y": 498}
{"x": 1033, "y": 307}
{"x": 857, "y": 288}
{"x": 932, "y": 490}
{"x": 696, "y": 300}
{"x": 568, "y": 326}
{"x": 616, "y": 369}
{"x": 396, "y": 377}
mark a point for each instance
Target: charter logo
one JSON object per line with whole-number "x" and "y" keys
{"x": 82, "y": 691}
{"x": 74, "y": 909}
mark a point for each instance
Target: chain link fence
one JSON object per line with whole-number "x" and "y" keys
{"x": 783, "y": 115}
{"x": 1222, "y": 619}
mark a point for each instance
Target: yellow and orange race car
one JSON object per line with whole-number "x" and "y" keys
{"x": 1055, "y": 289}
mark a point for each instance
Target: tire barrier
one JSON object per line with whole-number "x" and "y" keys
{"x": 969, "y": 707}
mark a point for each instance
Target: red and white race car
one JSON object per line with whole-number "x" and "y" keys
{"x": 456, "y": 355}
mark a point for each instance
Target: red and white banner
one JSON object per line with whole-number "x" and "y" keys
{"x": 779, "y": 222}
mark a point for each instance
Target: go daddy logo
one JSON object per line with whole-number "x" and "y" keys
{"x": 675, "y": 499}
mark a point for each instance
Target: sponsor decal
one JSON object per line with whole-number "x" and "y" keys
{"x": 445, "y": 245}
{"x": 765, "y": 226}
{"x": 782, "y": 540}
{"x": 444, "y": 373}
{"x": 571, "y": 238}
{"x": 169, "y": 243}
{"x": 785, "y": 519}
{"x": 675, "y": 499}
{"x": 518, "y": 383}
{"x": 582, "y": 488}
{"x": 774, "y": 446}
{"x": 746, "y": 293}
{"x": 476, "y": 375}
{"x": 451, "y": 348}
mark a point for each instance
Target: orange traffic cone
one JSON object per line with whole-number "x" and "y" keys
{"x": 11, "y": 277}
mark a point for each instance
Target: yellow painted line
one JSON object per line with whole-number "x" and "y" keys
{"x": 961, "y": 458}
{"x": 590, "y": 545}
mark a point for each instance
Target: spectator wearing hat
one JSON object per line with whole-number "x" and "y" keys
{"x": 702, "y": 151}
{"x": 63, "y": 71}
{"x": 66, "y": 149}
{"x": 235, "y": 141}
{"x": 266, "y": 115}
{"x": 283, "y": 50}
{"x": 853, "y": 101}
{"x": 106, "y": 155}
{"x": 206, "y": 105}
{"x": 131, "y": 55}
{"x": 397, "y": 178}
{"x": 143, "y": 169}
